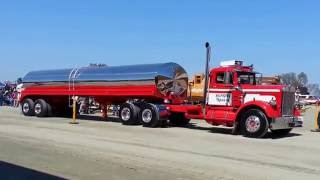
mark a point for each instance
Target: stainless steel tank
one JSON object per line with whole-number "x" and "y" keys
{"x": 167, "y": 77}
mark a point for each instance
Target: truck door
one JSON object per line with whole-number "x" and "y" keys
{"x": 223, "y": 95}
{"x": 220, "y": 91}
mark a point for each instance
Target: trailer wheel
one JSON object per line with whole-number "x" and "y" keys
{"x": 254, "y": 123}
{"x": 40, "y": 108}
{"x": 49, "y": 107}
{"x": 129, "y": 114}
{"x": 178, "y": 119}
{"x": 27, "y": 107}
{"x": 149, "y": 115}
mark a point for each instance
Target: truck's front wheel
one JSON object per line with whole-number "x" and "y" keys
{"x": 254, "y": 123}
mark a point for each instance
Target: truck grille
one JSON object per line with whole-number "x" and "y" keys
{"x": 288, "y": 101}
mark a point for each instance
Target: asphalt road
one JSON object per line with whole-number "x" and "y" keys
{"x": 51, "y": 148}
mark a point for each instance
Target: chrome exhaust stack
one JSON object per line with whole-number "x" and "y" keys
{"x": 205, "y": 91}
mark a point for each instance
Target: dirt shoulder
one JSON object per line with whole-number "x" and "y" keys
{"x": 108, "y": 150}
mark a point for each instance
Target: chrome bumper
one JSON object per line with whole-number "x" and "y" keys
{"x": 286, "y": 122}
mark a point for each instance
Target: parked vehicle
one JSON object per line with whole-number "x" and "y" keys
{"x": 154, "y": 93}
{"x": 308, "y": 99}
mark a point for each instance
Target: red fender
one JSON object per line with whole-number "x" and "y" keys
{"x": 268, "y": 109}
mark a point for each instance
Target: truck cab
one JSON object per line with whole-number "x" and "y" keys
{"x": 236, "y": 98}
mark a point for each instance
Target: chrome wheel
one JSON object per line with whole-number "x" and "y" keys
{"x": 25, "y": 107}
{"x": 252, "y": 124}
{"x": 146, "y": 115}
{"x": 125, "y": 114}
{"x": 37, "y": 108}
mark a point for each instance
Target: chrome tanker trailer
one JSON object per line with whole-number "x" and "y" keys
{"x": 134, "y": 88}
{"x": 149, "y": 94}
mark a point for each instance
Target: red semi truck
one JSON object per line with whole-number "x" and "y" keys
{"x": 153, "y": 93}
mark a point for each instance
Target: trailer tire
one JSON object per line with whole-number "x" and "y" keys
{"x": 40, "y": 108}
{"x": 50, "y": 113}
{"x": 178, "y": 119}
{"x": 254, "y": 123}
{"x": 27, "y": 107}
{"x": 129, "y": 114}
{"x": 149, "y": 116}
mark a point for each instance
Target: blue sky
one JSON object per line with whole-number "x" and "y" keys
{"x": 275, "y": 36}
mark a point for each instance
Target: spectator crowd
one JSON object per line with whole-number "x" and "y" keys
{"x": 9, "y": 94}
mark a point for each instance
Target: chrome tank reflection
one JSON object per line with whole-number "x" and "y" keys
{"x": 167, "y": 77}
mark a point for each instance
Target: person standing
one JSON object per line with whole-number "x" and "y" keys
{"x": 15, "y": 98}
{"x": 19, "y": 88}
{"x": 1, "y": 97}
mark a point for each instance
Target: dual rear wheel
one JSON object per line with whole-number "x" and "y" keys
{"x": 39, "y": 108}
{"x": 27, "y": 107}
{"x": 129, "y": 114}
{"x": 149, "y": 116}
{"x": 146, "y": 114}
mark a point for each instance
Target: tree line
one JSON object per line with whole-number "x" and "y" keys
{"x": 300, "y": 81}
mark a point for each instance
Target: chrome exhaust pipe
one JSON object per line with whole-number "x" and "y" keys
{"x": 205, "y": 91}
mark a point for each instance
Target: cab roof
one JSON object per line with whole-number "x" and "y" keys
{"x": 238, "y": 68}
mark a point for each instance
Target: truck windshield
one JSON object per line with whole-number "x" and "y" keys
{"x": 248, "y": 78}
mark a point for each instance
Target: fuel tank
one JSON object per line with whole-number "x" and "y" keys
{"x": 167, "y": 77}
